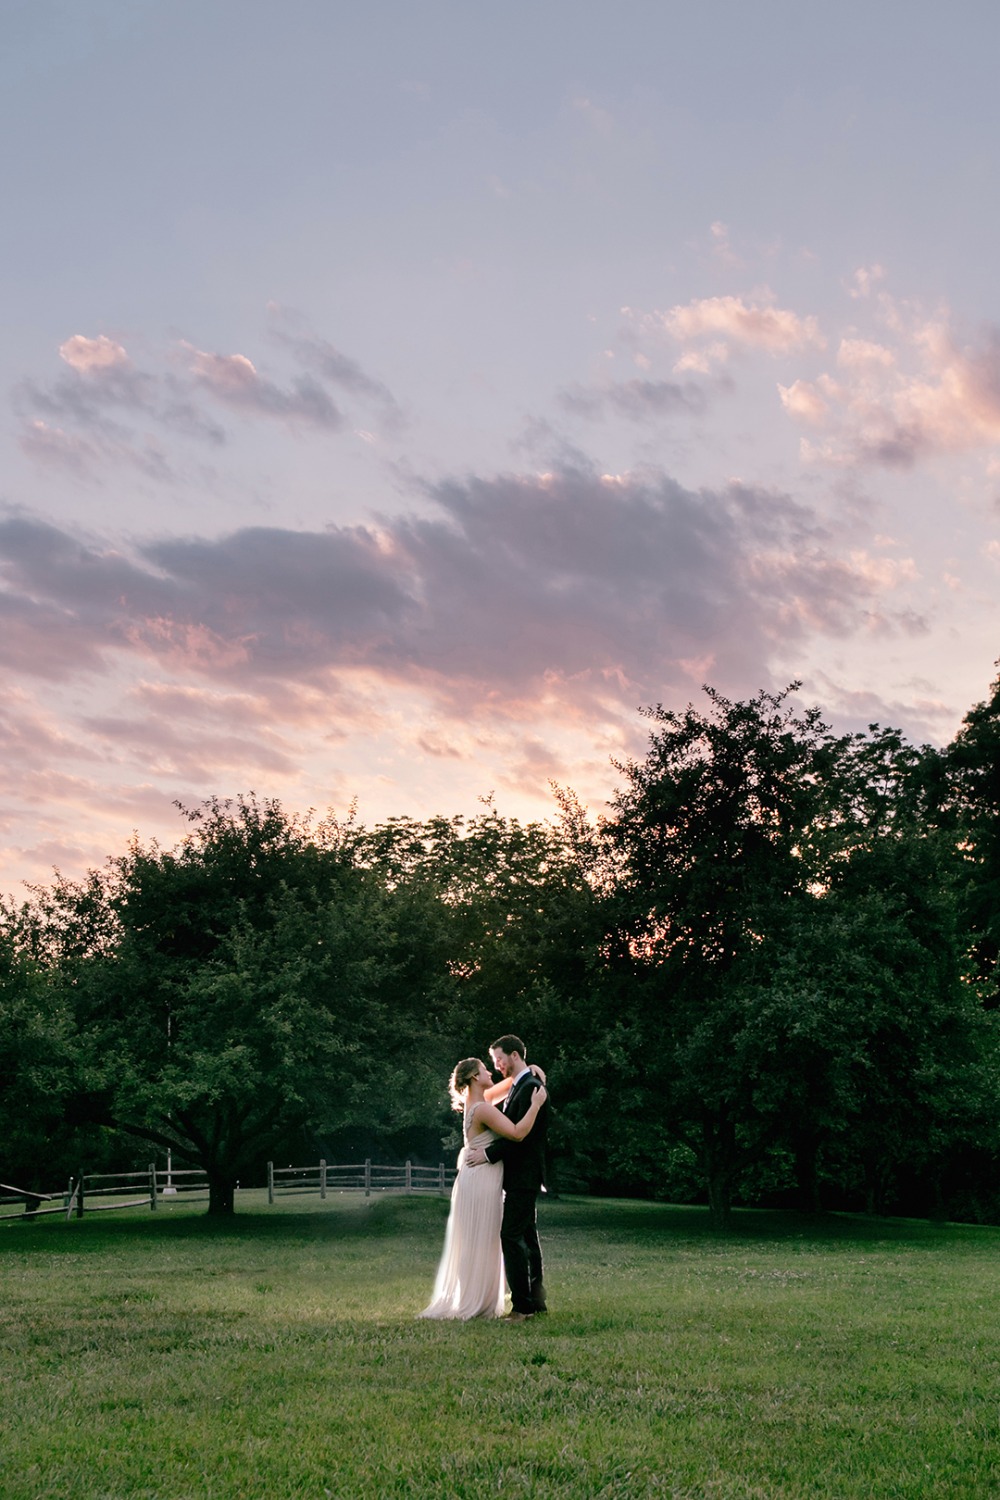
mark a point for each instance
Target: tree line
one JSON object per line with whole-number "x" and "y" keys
{"x": 768, "y": 974}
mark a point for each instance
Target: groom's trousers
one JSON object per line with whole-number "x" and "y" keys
{"x": 522, "y": 1254}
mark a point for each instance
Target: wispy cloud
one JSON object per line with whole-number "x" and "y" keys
{"x": 639, "y": 400}
{"x": 106, "y": 410}
{"x": 235, "y": 380}
{"x": 331, "y": 364}
{"x": 710, "y": 329}
{"x": 914, "y": 391}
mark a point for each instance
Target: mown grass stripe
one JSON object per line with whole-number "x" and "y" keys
{"x": 279, "y": 1356}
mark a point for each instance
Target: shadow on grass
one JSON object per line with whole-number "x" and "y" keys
{"x": 343, "y": 1219}
{"x": 678, "y": 1223}
{"x": 624, "y": 1221}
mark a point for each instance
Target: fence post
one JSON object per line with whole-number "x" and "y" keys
{"x": 409, "y": 1176}
{"x": 270, "y": 1182}
{"x": 79, "y": 1195}
{"x": 70, "y": 1200}
{"x": 152, "y": 1186}
{"x": 322, "y": 1179}
{"x": 368, "y": 1176}
{"x": 440, "y": 1176}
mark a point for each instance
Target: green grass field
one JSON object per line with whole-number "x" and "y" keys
{"x": 163, "y": 1356}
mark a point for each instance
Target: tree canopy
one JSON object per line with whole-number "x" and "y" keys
{"x": 771, "y": 967}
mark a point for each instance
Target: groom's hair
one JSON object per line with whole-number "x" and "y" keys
{"x": 509, "y": 1044}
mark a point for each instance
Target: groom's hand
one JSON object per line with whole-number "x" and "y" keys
{"x": 475, "y": 1156}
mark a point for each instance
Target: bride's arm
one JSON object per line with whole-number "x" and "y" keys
{"x": 491, "y": 1117}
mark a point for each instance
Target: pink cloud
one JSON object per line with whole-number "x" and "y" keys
{"x": 84, "y": 420}
{"x": 164, "y": 749}
{"x": 55, "y": 448}
{"x": 865, "y": 279}
{"x": 515, "y": 623}
{"x": 774, "y": 329}
{"x": 565, "y": 587}
{"x": 804, "y": 399}
{"x": 914, "y": 392}
{"x": 235, "y": 380}
{"x": 85, "y": 355}
{"x": 927, "y": 715}
{"x": 710, "y": 327}
{"x": 722, "y": 249}
{"x": 861, "y": 354}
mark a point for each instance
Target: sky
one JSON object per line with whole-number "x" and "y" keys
{"x": 395, "y": 398}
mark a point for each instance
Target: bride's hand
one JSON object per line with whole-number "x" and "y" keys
{"x": 538, "y": 1072}
{"x": 541, "y": 1094}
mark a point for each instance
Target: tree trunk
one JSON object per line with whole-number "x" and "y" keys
{"x": 938, "y": 1208}
{"x": 807, "y": 1174}
{"x": 221, "y": 1195}
{"x": 877, "y": 1184}
{"x": 718, "y": 1155}
{"x": 720, "y": 1198}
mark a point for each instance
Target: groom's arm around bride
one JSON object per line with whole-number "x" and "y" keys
{"x": 523, "y": 1177}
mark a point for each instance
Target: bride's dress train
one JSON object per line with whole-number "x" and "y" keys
{"x": 470, "y": 1276}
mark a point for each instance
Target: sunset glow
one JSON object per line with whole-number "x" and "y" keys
{"x": 404, "y": 401}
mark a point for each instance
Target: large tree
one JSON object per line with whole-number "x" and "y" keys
{"x": 789, "y": 915}
{"x": 517, "y": 906}
{"x": 521, "y": 922}
{"x": 970, "y": 808}
{"x": 716, "y": 835}
{"x": 245, "y": 986}
{"x": 871, "y": 1049}
{"x": 36, "y": 1065}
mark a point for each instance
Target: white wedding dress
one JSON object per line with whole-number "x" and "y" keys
{"x": 470, "y": 1277}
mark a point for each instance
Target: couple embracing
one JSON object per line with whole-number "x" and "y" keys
{"x": 491, "y": 1226}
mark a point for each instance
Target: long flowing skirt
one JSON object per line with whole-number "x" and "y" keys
{"x": 470, "y": 1277}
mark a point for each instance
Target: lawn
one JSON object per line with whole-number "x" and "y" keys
{"x": 160, "y": 1357}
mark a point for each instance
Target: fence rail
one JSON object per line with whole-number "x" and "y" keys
{"x": 105, "y": 1192}
{"x": 31, "y": 1203}
{"x": 360, "y": 1177}
{"x": 153, "y": 1184}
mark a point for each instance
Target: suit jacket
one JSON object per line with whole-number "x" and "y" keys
{"x": 523, "y": 1161}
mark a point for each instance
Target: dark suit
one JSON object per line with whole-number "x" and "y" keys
{"x": 523, "y": 1175}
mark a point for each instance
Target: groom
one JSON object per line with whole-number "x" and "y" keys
{"x": 523, "y": 1174}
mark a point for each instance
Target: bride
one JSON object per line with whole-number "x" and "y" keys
{"x": 470, "y": 1277}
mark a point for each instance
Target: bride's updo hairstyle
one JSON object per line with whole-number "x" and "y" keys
{"x": 458, "y": 1083}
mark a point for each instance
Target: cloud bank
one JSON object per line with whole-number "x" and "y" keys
{"x": 505, "y": 627}
{"x": 520, "y": 590}
{"x": 508, "y": 632}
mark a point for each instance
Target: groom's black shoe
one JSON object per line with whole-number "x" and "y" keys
{"x": 516, "y": 1317}
{"x": 538, "y": 1298}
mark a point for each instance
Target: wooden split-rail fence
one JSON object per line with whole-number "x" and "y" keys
{"x": 101, "y": 1192}
{"x": 104, "y": 1192}
{"x": 362, "y": 1177}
